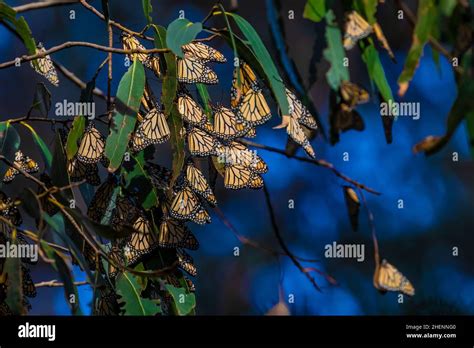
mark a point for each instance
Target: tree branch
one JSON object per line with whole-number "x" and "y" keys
{"x": 320, "y": 162}
{"x": 69, "y": 44}
{"x": 55, "y": 283}
{"x": 43, "y": 4}
{"x": 281, "y": 241}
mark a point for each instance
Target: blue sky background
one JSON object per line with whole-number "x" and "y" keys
{"x": 418, "y": 239}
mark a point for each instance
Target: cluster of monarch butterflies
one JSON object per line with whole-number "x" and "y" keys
{"x": 10, "y": 217}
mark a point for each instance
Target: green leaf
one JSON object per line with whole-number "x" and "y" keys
{"x": 368, "y": 8}
{"x": 424, "y": 26}
{"x": 315, "y": 10}
{"x": 205, "y": 99}
{"x": 9, "y": 144}
{"x": 470, "y": 130}
{"x": 184, "y": 302}
{"x": 181, "y": 32}
{"x": 129, "y": 94}
{"x": 42, "y": 99}
{"x": 137, "y": 177}
{"x": 47, "y": 156}
{"x": 20, "y": 26}
{"x": 14, "y": 295}
{"x": 376, "y": 72}
{"x": 65, "y": 274}
{"x": 59, "y": 176}
{"x": 169, "y": 90}
{"x": 334, "y": 54}
{"x": 261, "y": 53}
{"x": 79, "y": 123}
{"x": 129, "y": 290}
{"x": 147, "y": 10}
{"x": 447, "y": 7}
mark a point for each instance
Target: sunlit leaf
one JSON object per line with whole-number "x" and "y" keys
{"x": 181, "y": 32}
{"x": 129, "y": 291}
{"x": 426, "y": 20}
{"x": 19, "y": 25}
{"x": 44, "y": 149}
{"x": 129, "y": 94}
{"x": 184, "y": 302}
{"x": 335, "y": 54}
{"x": 315, "y": 10}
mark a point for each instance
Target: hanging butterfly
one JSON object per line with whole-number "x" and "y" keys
{"x": 236, "y": 153}
{"x": 186, "y": 262}
{"x": 9, "y": 211}
{"x": 27, "y": 283}
{"x": 226, "y": 125}
{"x": 175, "y": 234}
{"x": 140, "y": 243}
{"x": 193, "y": 70}
{"x": 239, "y": 176}
{"x": 353, "y": 95}
{"x": 45, "y": 67}
{"x": 342, "y": 119}
{"x": 148, "y": 60}
{"x": 299, "y": 111}
{"x": 388, "y": 278}
{"x": 160, "y": 176}
{"x": 186, "y": 206}
{"x": 203, "y": 52}
{"x": 201, "y": 143}
{"x": 79, "y": 171}
{"x": 91, "y": 148}
{"x": 356, "y": 28}
{"x": 198, "y": 183}
{"x": 99, "y": 206}
{"x": 152, "y": 130}
{"x": 296, "y": 133}
{"x": 23, "y": 162}
{"x": 247, "y": 78}
{"x": 189, "y": 110}
{"x": 116, "y": 255}
{"x": 106, "y": 302}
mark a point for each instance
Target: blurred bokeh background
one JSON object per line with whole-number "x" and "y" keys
{"x": 437, "y": 192}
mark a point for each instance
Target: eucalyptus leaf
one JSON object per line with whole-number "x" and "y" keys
{"x": 181, "y": 32}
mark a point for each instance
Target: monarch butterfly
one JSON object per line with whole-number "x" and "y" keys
{"x": 388, "y": 278}
{"x": 124, "y": 213}
{"x": 100, "y": 202}
{"x": 299, "y": 111}
{"x": 356, "y": 28}
{"x": 342, "y": 119}
{"x": 152, "y": 130}
{"x": 254, "y": 108}
{"x": 247, "y": 79}
{"x": 193, "y": 70}
{"x": 189, "y": 110}
{"x": 28, "y": 286}
{"x": 22, "y": 161}
{"x": 78, "y": 171}
{"x": 203, "y": 52}
{"x": 238, "y": 177}
{"x": 187, "y": 206}
{"x": 91, "y": 149}
{"x": 295, "y": 131}
{"x": 149, "y": 60}
{"x": 196, "y": 180}
{"x": 201, "y": 143}
{"x": 159, "y": 176}
{"x": 175, "y": 234}
{"x": 45, "y": 66}
{"x": 106, "y": 304}
{"x": 186, "y": 262}
{"x": 116, "y": 255}
{"x": 226, "y": 125}
{"x": 237, "y": 153}
{"x": 9, "y": 211}
{"x": 352, "y": 94}
{"x": 141, "y": 242}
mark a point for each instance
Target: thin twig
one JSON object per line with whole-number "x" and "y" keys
{"x": 317, "y": 162}
{"x": 55, "y": 283}
{"x": 372, "y": 227}
{"x": 113, "y": 23}
{"x": 247, "y": 241}
{"x": 281, "y": 241}
{"x": 77, "y": 81}
{"x": 43, "y": 4}
{"x": 69, "y": 44}
{"x": 109, "y": 74}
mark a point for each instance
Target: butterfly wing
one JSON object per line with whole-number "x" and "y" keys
{"x": 388, "y": 278}
{"x": 198, "y": 183}
{"x": 201, "y": 143}
{"x": 91, "y": 149}
{"x": 192, "y": 70}
{"x": 190, "y": 111}
{"x": 204, "y": 52}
